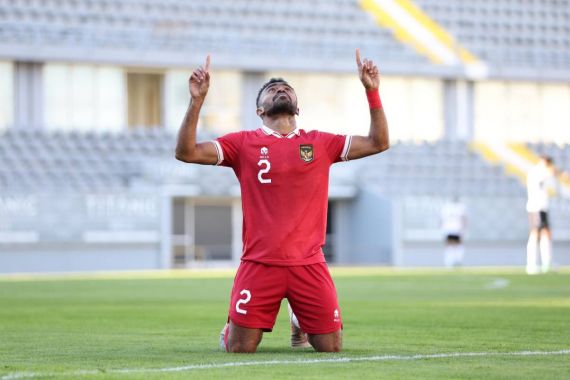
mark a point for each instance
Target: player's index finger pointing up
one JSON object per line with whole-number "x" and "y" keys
{"x": 358, "y": 61}
{"x": 207, "y": 67}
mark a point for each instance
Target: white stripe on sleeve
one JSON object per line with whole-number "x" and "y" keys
{"x": 219, "y": 150}
{"x": 346, "y": 149}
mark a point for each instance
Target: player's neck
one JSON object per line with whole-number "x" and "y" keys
{"x": 283, "y": 124}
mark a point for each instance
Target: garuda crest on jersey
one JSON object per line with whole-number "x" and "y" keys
{"x": 306, "y": 152}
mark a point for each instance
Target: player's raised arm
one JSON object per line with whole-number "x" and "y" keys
{"x": 187, "y": 149}
{"x": 377, "y": 140}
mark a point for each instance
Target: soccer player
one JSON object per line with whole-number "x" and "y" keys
{"x": 453, "y": 223}
{"x": 541, "y": 179}
{"x": 283, "y": 173}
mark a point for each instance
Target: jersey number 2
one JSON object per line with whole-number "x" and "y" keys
{"x": 263, "y": 170}
{"x": 245, "y": 300}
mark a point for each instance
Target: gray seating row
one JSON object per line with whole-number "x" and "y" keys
{"x": 35, "y": 159}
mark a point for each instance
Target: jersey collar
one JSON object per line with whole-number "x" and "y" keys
{"x": 270, "y": 132}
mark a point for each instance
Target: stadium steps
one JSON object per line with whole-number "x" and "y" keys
{"x": 78, "y": 161}
{"x": 414, "y": 27}
{"x": 515, "y": 39}
{"x": 243, "y": 33}
{"x": 508, "y": 34}
{"x": 34, "y": 160}
{"x": 443, "y": 168}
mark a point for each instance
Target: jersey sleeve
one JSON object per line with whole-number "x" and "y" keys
{"x": 336, "y": 146}
{"x": 228, "y": 148}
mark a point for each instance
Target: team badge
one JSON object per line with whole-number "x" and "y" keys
{"x": 306, "y": 151}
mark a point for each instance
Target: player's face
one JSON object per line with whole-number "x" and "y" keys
{"x": 278, "y": 99}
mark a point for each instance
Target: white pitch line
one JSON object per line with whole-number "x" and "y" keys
{"x": 29, "y": 375}
{"x": 498, "y": 283}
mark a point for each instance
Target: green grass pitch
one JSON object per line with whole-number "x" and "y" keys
{"x": 160, "y": 325}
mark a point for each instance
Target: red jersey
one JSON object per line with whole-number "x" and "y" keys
{"x": 284, "y": 190}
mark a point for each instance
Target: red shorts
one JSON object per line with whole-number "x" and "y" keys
{"x": 258, "y": 290}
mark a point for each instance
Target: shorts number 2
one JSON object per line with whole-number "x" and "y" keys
{"x": 245, "y": 300}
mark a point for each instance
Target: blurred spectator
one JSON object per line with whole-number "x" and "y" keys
{"x": 453, "y": 224}
{"x": 540, "y": 182}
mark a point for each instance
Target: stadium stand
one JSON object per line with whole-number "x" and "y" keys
{"x": 150, "y": 32}
{"x": 41, "y": 160}
{"x": 428, "y": 172}
{"x": 423, "y": 176}
{"x": 509, "y": 34}
{"x": 113, "y": 192}
{"x": 446, "y": 168}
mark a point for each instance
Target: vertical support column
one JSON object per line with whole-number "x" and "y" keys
{"x": 458, "y": 106}
{"x": 28, "y": 94}
{"x": 190, "y": 231}
{"x": 237, "y": 220}
{"x": 166, "y": 231}
{"x": 6, "y": 95}
{"x": 342, "y": 239}
{"x": 397, "y": 253}
{"x": 252, "y": 82}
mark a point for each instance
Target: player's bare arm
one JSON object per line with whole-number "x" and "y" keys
{"x": 187, "y": 149}
{"x": 378, "y": 139}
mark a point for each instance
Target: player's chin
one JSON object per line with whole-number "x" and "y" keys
{"x": 282, "y": 108}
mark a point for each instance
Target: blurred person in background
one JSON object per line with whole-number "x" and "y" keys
{"x": 453, "y": 225}
{"x": 540, "y": 183}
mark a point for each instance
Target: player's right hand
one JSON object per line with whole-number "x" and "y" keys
{"x": 200, "y": 81}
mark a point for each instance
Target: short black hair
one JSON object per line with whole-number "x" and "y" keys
{"x": 548, "y": 159}
{"x": 267, "y": 84}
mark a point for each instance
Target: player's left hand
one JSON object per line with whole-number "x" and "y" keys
{"x": 199, "y": 82}
{"x": 367, "y": 72}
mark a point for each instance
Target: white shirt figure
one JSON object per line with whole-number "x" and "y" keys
{"x": 453, "y": 221}
{"x": 539, "y": 181}
{"x": 453, "y": 218}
